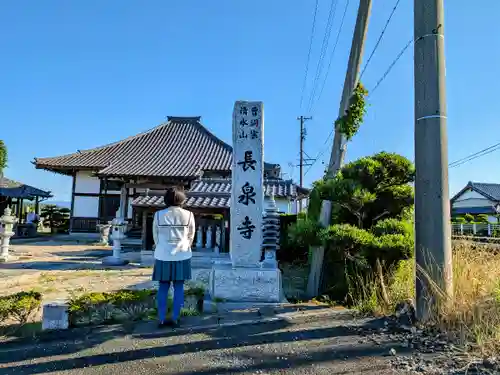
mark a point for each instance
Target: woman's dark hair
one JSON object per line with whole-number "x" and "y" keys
{"x": 174, "y": 196}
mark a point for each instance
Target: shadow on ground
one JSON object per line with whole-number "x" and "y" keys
{"x": 77, "y": 263}
{"x": 246, "y": 336}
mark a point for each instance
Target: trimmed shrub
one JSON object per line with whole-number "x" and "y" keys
{"x": 482, "y": 218}
{"x": 21, "y": 307}
{"x": 121, "y": 306}
{"x": 99, "y": 308}
{"x": 469, "y": 218}
{"x": 305, "y": 233}
{"x": 289, "y": 252}
{"x": 392, "y": 226}
{"x": 353, "y": 251}
{"x": 458, "y": 220}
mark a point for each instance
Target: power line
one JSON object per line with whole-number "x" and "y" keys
{"x": 309, "y": 53}
{"x": 410, "y": 42}
{"x": 324, "y": 48}
{"x": 321, "y": 153}
{"x": 333, "y": 51}
{"x": 483, "y": 152}
{"x": 379, "y": 38}
{"x": 474, "y": 154}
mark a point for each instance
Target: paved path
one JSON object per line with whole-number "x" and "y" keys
{"x": 304, "y": 346}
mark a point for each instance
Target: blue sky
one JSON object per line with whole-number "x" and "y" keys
{"x": 82, "y": 73}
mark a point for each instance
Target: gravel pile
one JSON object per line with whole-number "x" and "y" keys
{"x": 426, "y": 351}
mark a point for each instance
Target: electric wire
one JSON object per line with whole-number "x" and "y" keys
{"x": 324, "y": 48}
{"x": 333, "y": 52}
{"x": 309, "y": 53}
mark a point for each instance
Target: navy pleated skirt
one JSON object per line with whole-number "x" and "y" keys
{"x": 172, "y": 271}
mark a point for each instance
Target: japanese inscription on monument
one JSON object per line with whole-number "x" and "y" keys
{"x": 247, "y": 184}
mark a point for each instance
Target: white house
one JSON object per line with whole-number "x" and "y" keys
{"x": 477, "y": 198}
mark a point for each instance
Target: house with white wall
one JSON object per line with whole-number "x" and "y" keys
{"x": 477, "y": 198}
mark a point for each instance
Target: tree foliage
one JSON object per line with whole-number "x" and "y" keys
{"x": 57, "y": 218}
{"x": 370, "y": 189}
{"x": 350, "y": 122}
{"x": 3, "y": 156}
{"x": 371, "y": 222}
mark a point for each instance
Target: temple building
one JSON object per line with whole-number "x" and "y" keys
{"x": 129, "y": 177}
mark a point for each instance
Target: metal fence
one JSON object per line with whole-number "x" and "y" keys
{"x": 476, "y": 229}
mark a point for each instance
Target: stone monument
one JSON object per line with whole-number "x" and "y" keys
{"x": 245, "y": 279}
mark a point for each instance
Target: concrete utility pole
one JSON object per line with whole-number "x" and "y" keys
{"x": 351, "y": 80}
{"x": 432, "y": 204}
{"x": 302, "y": 119}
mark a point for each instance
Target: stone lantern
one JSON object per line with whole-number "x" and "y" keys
{"x": 118, "y": 227}
{"x": 7, "y": 222}
{"x": 270, "y": 234}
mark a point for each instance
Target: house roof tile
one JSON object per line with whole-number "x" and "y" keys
{"x": 216, "y": 193}
{"x": 181, "y": 147}
{"x": 15, "y": 189}
{"x": 489, "y": 190}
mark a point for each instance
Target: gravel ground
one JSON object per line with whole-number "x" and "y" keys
{"x": 304, "y": 345}
{"x": 311, "y": 346}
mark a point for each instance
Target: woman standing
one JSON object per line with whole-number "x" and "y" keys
{"x": 173, "y": 234}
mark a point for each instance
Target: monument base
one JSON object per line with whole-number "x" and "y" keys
{"x": 242, "y": 284}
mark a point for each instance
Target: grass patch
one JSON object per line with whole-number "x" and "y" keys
{"x": 471, "y": 317}
{"x": 46, "y": 278}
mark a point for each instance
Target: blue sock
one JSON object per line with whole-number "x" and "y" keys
{"x": 162, "y": 300}
{"x": 178, "y": 299}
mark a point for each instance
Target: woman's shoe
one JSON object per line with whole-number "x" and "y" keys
{"x": 169, "y": 323}
{"x": 163, "y": 324}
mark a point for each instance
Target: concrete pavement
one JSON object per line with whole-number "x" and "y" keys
{"x": 310, "y": 345}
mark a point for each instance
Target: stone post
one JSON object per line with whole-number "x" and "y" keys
{"x": 118, "y": 226}
{"x": 247, "y": 193}
{"x": 7, "y": 222}
{"x": 244, "y": 280}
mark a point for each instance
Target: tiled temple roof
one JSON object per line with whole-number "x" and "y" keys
{"x": 216, "y": 193}
{"x": 182, "y": 147}
{"x": 14, "y": 189}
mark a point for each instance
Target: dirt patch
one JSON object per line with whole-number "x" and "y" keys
{"x": 60, "y": 269}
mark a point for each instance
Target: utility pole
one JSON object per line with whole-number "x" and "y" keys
{"x": 432, "y": 205}
{"x": 351, "y": 80}
{"x": 302, "y": 164}
{"x": 302, "y": 119}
